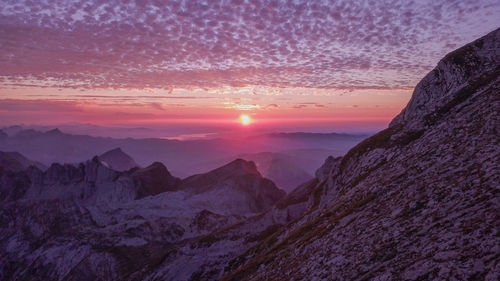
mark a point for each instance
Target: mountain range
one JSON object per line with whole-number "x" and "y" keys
{"x": 185, "y": 158}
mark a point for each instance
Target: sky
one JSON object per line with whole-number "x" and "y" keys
{"x": 193, "y": 67}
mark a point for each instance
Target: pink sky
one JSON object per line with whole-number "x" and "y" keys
{"x": 278, "y": 109}
{"x": 302, "y": 65}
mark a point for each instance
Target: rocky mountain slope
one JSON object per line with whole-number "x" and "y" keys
{"x": 15, "y": 161}
{"x": 87, "y": 221}
{"x": 417, "y": 201}
{"x": 238, "y": 184}
{"x": 154, "y": 179}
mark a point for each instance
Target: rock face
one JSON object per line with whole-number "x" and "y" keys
{"x": 237, "y": 185}
{"x": 87, "y": 221}
{"x": 154, "y": 179}
{"x": 87, "y": 183}
{"x": 456, "y": 76}
{"x": 15, "y": 161}
{"x": 118, "y": 160}
{"x": 417, "y": 201}
{"x": 14, "y": 181}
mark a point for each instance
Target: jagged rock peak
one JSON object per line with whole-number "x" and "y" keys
{"x": 54, "y": 132}
{"x": 15, "y": 161}
{"x": 458, "y": 73}
{"x": 154, "y": 179}
{"x": 238, "y": 167}
{"x": 118, "y": 160}
{"x": 238, "y": 179}
{"x": 64, "y": 174}
{"x": 325, "y": 170}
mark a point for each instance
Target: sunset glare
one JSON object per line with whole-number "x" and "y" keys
{"x": 245, "y": 120}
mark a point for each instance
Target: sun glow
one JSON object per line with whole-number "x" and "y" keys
{"x": 245, "y": 119}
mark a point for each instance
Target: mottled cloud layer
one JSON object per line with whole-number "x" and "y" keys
{"x": 210, "y": 44}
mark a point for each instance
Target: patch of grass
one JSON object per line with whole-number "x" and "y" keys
{"x": 206, "y": 241}
{"x": 316, "y": 229}
{"x": 367, "y": 173}
{"x": 318, "y": 191}
{"x": 267, "y": 232}
{"x": 410, "y": 137}
{"x": 209, "y": 239}
{"x": 379, "y": 140}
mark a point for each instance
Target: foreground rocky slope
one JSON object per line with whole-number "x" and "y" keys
{"x": 417, "y": 201}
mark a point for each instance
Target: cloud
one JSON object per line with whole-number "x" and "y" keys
{"x": 246, "y": 106}
{"x": 271, "y": 106}
{"x": 157, "y": 106}
{"x": 59, "y": 106}
{"x": 308, "y": 104}
{"x": 299, "y": 106}
{"x": 152, "y": 44}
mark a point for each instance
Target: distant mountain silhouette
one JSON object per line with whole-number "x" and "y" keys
{"x": 183, "y": 157}
{"x": 282, "y": 168}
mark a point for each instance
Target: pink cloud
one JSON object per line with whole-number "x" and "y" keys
{"x": 186, "y": 44}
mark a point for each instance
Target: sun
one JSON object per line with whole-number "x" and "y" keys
{"x": 245, "y": 119}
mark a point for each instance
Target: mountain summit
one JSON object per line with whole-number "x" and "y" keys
{"x": 237, "y": 179}
{"x": 118, "y": 160}
{"x": 154, "y": 179}
{"x": 457, "y": 76}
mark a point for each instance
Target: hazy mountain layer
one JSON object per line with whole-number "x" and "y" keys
{"x": 184, "y": 158}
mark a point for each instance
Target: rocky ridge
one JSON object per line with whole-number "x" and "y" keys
{"x": 124, "y": 223}
{"x": 417, "y": 201}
